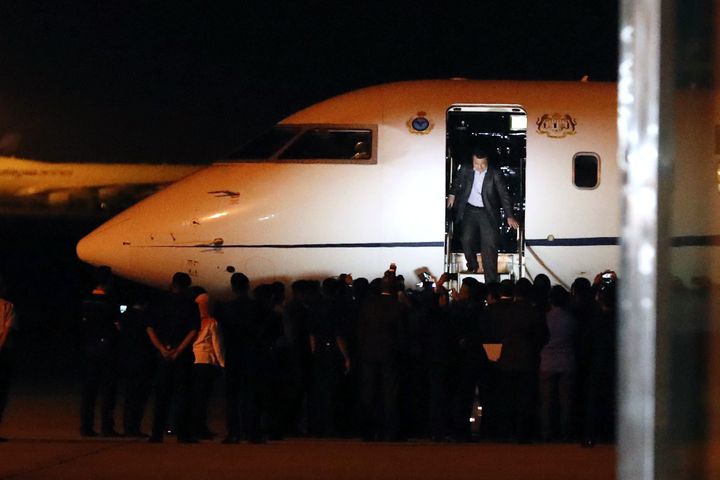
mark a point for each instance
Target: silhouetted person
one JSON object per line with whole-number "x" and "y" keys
{"x": 496, "y": 312}
{"x": 436, "y": 348}
{"x": 584, "y": 309}
{"x": 468, "y": 325}
{"x": 137, "y": 360}
{"x": 296, "y": 324}
{"x": 7, "y": 320}
{"x": 523, "y": 335}
{"x": 173, "y": 325}
{"x": 99, "y": 322}
{"x": 557, "y": 368}
{"x": 330, "y": 356}
{"x": 238, "y": 321}
{"x": 600, "y": 391}
{"x": 541, "y": 292}
{"x": 478, "y": 191}
{"x": 379, "y": 330}
{"x": 260, "y": 369}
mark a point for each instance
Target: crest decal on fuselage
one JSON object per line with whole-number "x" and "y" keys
{"x": 556, "y": 125}
{"x": 420, "y": 124}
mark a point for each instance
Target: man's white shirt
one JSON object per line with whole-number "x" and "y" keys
{"x": 475, "y": 198}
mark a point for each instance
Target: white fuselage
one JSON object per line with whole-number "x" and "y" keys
{"x": 289, "y": 220}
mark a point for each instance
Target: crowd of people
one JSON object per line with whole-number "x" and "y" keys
{"x": 514, "y": 361}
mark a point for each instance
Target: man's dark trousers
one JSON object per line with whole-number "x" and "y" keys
{"x": 478, "y": 223}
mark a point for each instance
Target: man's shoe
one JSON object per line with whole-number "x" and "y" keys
{"x": 136, "y": 434}
{"x": 88, "y": 433}
{"x": 187, "y": 440}
{"x": 110, "y": 434}
{"x": 154, "y": 439}
{"x": 229, "y": 440}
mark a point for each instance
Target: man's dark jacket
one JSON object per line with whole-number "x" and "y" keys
{"x": 494, "y": 192}
{"x": 379, "y": 329}
{"x": 524, "y": 333}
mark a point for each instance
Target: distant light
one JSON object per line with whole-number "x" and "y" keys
{"x": 518, "y": 122}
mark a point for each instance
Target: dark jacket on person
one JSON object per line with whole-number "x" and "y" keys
{"x": 496, "y": 314}
{"x": 379, "y": 329}
{"x": 468, "y": 324}
{"x": 494, "y": 192}
{"x": 173, "y": 318}
{"x": 524, "y": 333}
{"x": 100, "y": 314}
{"x": 238, "y": 320}
{"x": 136, "y": 349}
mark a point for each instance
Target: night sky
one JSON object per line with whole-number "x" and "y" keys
{"x": 188, "y": 81}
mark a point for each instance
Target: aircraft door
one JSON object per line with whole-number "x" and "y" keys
{"x": 501, "y": 131}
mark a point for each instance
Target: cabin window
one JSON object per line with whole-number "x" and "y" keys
{"x": 586, "y": 170}
{"x": 312, "y": 143}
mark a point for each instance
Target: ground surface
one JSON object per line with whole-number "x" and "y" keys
{"x": 44, "y": 444}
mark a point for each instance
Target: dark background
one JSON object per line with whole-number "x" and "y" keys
{"x": 188, "y": 81}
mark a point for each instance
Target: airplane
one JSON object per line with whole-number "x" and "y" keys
{"x": 358, "y": 181}
{"x": 35, "y": 187}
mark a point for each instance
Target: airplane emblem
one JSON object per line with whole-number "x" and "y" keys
{"x": 420, "y": 124}
{"x": 556, "y": 125}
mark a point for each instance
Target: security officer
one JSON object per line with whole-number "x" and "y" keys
{"x": 172, "y": 328}
{"x": 99, "y": 334}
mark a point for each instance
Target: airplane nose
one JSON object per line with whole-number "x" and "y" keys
{"x": 103, "y": 246}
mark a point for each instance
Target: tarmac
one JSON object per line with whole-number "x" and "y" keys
{"x": 44, "y": 444}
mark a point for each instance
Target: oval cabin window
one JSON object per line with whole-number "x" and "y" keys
{"x": 586, "y": 170}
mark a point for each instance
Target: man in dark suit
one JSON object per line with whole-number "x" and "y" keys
{"x": 379, "y": 331}
{"x": 524, "y": 333}
{"x": 172, "y": 328}
{"x": 478, "y": 191}
{"x": 237, "y": 319}
{"x": 100, "y": 334}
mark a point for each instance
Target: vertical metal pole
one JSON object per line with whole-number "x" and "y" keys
{"x": 638, "y": 128}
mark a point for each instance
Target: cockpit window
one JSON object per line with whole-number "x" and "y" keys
{"x": 311, "y": 143}
{"x": 331, "y": 143}
{"x": 267, "y": 144}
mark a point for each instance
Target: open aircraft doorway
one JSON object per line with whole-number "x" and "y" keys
{"x": 501, "y": 131}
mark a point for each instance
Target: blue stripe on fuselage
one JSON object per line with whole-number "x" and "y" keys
{"x": 682, "y": 241}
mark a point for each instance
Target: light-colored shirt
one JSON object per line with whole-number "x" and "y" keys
{"x": 475, "y": 198}
{"x": 208, "y": 347}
